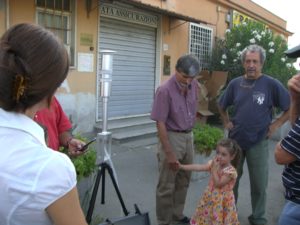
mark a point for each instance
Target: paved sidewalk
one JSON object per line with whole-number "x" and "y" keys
{"x": 137, "y": 174}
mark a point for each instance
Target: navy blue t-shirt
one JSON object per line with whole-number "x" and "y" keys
{"x": 291, "y": 172}
{"x": 253, "y": 102}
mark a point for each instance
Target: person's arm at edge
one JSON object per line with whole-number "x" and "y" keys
{"x": 64, "y": 138}
{"x": 294, "y": 89}
{"x": 163, "y": 137}
{"x": 64, "y": 127}
{"x": 67, "y": 210}
{"x": 294, "y": 111}
{"x": 283, "y": 157}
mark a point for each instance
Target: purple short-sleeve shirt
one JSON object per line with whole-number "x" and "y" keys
{"x": 175, "y": 109}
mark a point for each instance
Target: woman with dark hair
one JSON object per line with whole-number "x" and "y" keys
{"x": 38, "y": 185}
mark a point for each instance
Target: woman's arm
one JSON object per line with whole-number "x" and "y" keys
{"x": 67, "y": 210}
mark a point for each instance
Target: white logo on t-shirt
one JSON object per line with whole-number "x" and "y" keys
{"x": 259, "y": 97}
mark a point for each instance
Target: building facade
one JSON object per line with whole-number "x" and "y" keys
{"x": 147, "y": 36}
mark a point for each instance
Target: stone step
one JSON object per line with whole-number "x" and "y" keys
{"x": 125, "y": 122}
{"x": 137, "y": 128}
{"x": 141, "y": 142}
{"x": 134, "y": 133}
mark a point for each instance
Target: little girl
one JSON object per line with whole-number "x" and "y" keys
{"x": 217, "y": 205}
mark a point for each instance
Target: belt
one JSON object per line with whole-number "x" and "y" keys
{"x": 181, "y": 131}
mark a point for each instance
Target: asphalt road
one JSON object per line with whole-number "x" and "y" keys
{"x": 137, "y": 172}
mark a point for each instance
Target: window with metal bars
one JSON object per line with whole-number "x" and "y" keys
{"x": 57, "y": 16}
{"x": 200, "y": 41}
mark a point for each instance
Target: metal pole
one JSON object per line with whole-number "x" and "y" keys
{"x": 106, "y": 79}
{"x": 104, "y": 138}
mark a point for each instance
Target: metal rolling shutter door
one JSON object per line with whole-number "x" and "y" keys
{"x": 133, "y": 66}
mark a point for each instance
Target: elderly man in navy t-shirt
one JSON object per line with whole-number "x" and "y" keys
{"x": 253, "y": 97}
{"x": 287, "y": 152}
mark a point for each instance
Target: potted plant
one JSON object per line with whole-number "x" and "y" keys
{"x": 206, "y": 138}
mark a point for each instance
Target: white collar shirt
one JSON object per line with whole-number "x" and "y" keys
{"x": 32, "y": 176}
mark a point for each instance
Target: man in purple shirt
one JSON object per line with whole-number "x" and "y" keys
{"x": 174, "y": 110}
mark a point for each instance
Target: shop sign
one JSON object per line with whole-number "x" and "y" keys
{"x": 240, "y": 18}
{"x": 130, "y": 15}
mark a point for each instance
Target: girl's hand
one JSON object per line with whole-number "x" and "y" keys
{"x": 179, "y": 165}
{"x": 216, "y": 163}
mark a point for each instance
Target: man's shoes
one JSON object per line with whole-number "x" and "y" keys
{"x": 185, "y": 220}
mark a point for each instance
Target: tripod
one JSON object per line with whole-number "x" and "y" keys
{"x": 101, "y": 173}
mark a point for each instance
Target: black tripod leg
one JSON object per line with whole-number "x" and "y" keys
{"x": 104, "y": 167}
{"x": 110, "y": 171}
{"x": 94, "y": 195}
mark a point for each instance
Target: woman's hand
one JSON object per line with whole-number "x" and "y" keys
{"x": 74, "y": 146}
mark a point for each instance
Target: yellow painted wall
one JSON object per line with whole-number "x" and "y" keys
{"x": 203, "y": 10}
{"x": 175, "y": 37}
{"x": 24, "y": 11}
{"x": 85, "y": 81}
{"x": 21, "y": 11}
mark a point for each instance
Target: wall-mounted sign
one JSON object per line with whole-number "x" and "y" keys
{"x": 133, "y": 16}
{"x": 240, "y": 18}
{"x": 85, "y": 62}
{"x": 167, "y": 65}
{"x": 86, "y": 39}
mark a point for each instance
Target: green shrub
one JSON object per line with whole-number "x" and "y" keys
{"x": 226, "y": 52}
{"x": 206, "y": 138}
{"x": 85, "y": 164}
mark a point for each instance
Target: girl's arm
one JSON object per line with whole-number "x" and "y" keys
{"x": 219, "y": 182}
{"x": 195, "y": 167}
{"x": 66, "y": 210}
